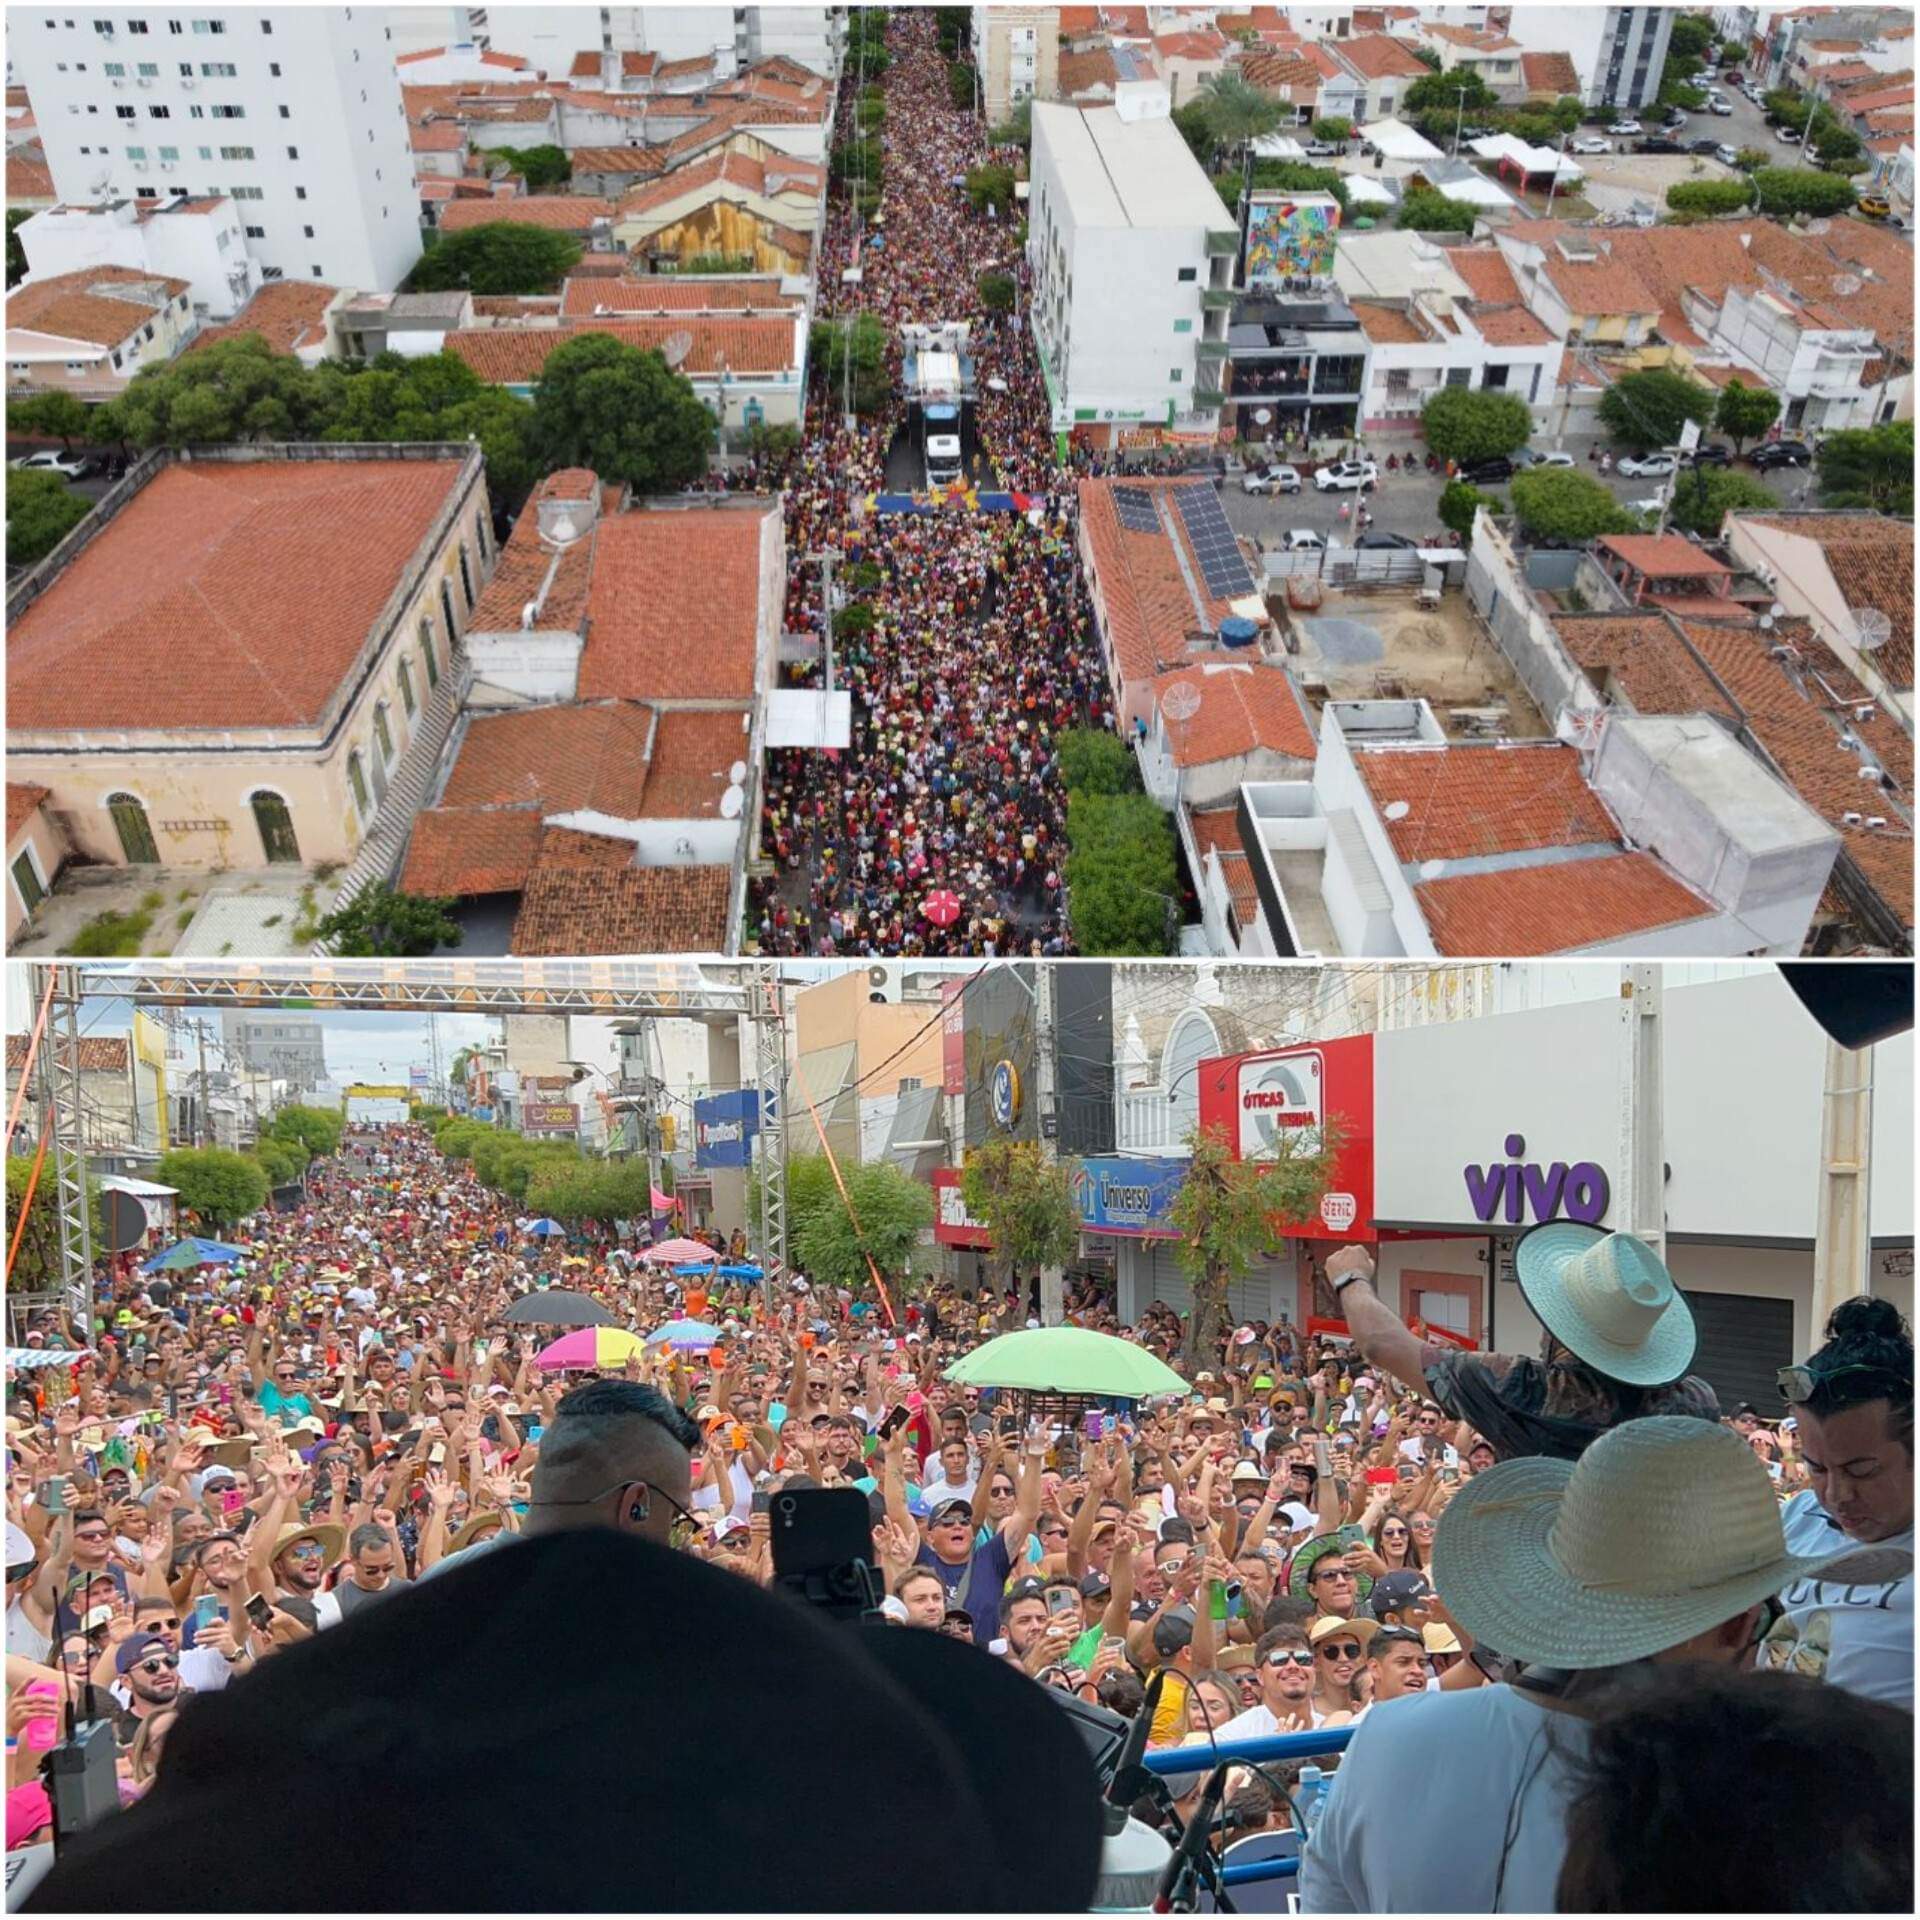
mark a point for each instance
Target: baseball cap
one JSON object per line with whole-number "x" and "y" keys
{"x": 1031, "y": 1587}
{"x": 947, "y": 1508}
{"x": 1093, "y": 1584}
{"x": 1395, "y": 1592}
{"x": 135, "y": 1648}
{"x": 20, "y": 1551}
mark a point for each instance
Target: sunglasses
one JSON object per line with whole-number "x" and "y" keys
{"x": 1298, "y": 1657}
{"x": 158, "y": 1662}
{"x": 1797, "y": 1384}
{"x": 1341, "y": 1650}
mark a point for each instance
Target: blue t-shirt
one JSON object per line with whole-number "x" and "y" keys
{"x": 984, "y": 1578}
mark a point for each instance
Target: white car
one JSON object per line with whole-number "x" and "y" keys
{"x": 1270, "y": 480}
{"x": 1648, "y": 466}
{"x": 1650, "y": 506}
{"x": 1787, "y": 136}
{"x": 69, "y": 466}
{"x": 1721, "y": 105}
{"x": 1344, "y": 476}
{"x": 1526, "y": 458}
{"x": 1590, "y": 143}
{"x": 1726, "y": 155}
{"x": 1305, "y": 540}
{"x": 1621, "y": 128}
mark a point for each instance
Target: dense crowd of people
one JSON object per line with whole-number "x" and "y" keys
{"x": 940, "y": 829}
{"x": 1446, "y": 1554}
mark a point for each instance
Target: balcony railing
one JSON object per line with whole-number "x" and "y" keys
{"x": 1225, "y": 241}
{"x": 1218, "y": 299}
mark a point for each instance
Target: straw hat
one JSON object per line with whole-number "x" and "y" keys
{"x": 1663, "y": 1528}
{"x": 1329, "y": 1624}
{"x": 331, "y": 1538}
{"x": 476, "y": 1528}
{"x": 1609, "y": 1298}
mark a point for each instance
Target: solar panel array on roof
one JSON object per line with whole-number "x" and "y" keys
{"x": 1134, "y": 505}
{"x": 1213, "y": 542}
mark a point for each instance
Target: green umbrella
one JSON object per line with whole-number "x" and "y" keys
{"x": 1067, "y": 1360}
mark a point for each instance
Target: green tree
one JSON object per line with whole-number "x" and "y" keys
{"x": 1709, "y": 196}
{"x": 36, "y": 1266}
{"x": 1460, "y": 500}
{"x": 16, "y": 253}
{"x": 1785, "y": 191}
{"x": 41, "y": 511}
{"x": 1787, "y": 107}
{"x": 996, "y": 292}
{"x": 234, "y": 389}
{"x": 317, "y": 1129}
{"x": 540, "y": 167}
{"x": 990, "y": 186}
{"x": 623, "y": 412}
{"x": 1227, "y": 1212}
{"x": 1557, "y": 503}
{"x": 859, "y": 160}
{"x": 379, "y": 921}
{"x": 1448, "y": 93}
{"x": 1299, "y": 176}
{"x": 219, "y": 1185}
{"x": 55, "y": 413}
{"x": 1235, "y": 111}
{"x": 1017, "y": 129}
{"x": 1424, "y": 211}
{"x": 1567, "y": 112}
{"x": 1703, "y": 499}
{"x": 1642, "y": 410}
{"x": 1743, "y": 413}
{"x": 1840, "y": 150}
{"x": 504, "y": 256}
{"x": 280, "y": 1160}
{"x": 773, "y": 443}
{"x": 1465, "y": 424}
{"x": 1869, "y": 467}
{"x": 1025, "y": 1201}
{"x": 893, "y": 1210}
{"x": 459, "y": 1138}
{"x": 1197, "y": 131}
{"x": 963, "y": 86}
{"x": 863, "y": 342}
{"x": 1691, "y": 34}
{"x": 584, "y": 1189}
{"x": 1750, "y": 159}
{"x": 1097, "y": 760}
{"x": 1121, "y": 874}
{"x": 1333, "y": 128}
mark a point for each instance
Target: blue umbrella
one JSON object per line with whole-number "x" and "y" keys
{"x": 684, "y": 1335}
{"x": 546, "y": 1229}
{"x": 194, "y": 1253}
{"x": 735, "y": 1271}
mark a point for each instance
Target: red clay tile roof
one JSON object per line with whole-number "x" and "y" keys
{"x": 1082, "y": 72}
{"x": 224, "y": 594}
{"x": 1871, "y": 560}
{"x": 637, "y": 66}
{"x": 1217, "y": 831}
{"x": 1377, "y": 56}
{"x": 1289, "y": 74}
{"x": 1388, "y": 325}
{"x": 715, "y": 176}
{"x": 642, "y": 162}
{"x": 286, "y": 314}
{"x": 560, "y": 212}
{"x": 1464, "y": 802}
{"x": 455, "y": 853}
{"x": 437, "y": 136}
{"x": 1665, "y": 556}
{"x": 96, "y": 304}
{"x": 570, "y": 910}
{"x": 1244, "y": 707}
{"x": 1599, "y": 286}
{"x": 98, "y": 1054}
{"x": 1554, "y": 908}
{"x": 1549, "y": 73}
{"x": 675, "y": 293}
{"x": 674, "y": 607}
{"x": 1193, "y": 44}
{"x": 1486, "y": 273}
{"x": 1510, "y": 327}
{"x": 23, "y": 802}
{"x": 1641, "y": 659}
{"x": 28, "y": 179}
{"x": 516, "y": 356}
{"x": 590, "y": 758}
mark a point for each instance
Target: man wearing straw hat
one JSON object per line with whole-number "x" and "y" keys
{"x": 1661, "y": 1543}
{"x": 1618, "y": 1339}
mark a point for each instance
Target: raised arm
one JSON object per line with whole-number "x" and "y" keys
{"x": 1381, "y": 1335}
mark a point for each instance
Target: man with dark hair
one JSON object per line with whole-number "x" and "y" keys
{"x": 377, "y": 1568}
{"x": 1283, "y": 1662}
{"x": 1853, "y": 1424}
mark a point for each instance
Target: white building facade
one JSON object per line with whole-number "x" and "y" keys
{"x": 199, "y": 241}
{"x": 1617, "y": 52}
{"x": 292, "y": 113}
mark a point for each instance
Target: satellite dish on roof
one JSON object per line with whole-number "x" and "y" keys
{"x": 731, "y": 803}
{"x": 1181, "y": 701}
{"x": 1846, "y": 285}
{"x": 1396, "y": 810}
{"x": 1432, "y": 869}
{"x": 676, "y": 346}
{"x": 1818, "y": 227}
{"x": 737, "y": 773}
{"x": 1872, "y": 629}
{"x": 562, "y": 529}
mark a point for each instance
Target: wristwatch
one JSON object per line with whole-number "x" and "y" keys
{"x": 1345, "y": 1281}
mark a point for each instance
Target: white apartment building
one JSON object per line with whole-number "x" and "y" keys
{"x": 550, "y": 36}
{"x": 292, "y": 113}
{"x": 1818, "y": 372}
{"x": 1132, "y": 254}
{"x": 1616, "y": 51}
{"x": 1016, "y": 52}
{"x": 202, "y": 242}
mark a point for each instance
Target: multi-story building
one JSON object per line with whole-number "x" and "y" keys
{"x": 1016, "y": 52}
{"x": 281, "y": 1045}
{"x": 293, "y": 113}
{"x": 1617, "y": 52}
{"x": 88, "y": 333}
{"x": 1133, "y": 256}
{"x": 202, "y": 242}
{"x": 549, "y": 38}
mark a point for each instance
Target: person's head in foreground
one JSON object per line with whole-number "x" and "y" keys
{"x": 1853, "y": 1406}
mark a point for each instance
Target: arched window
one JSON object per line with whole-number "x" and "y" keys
{"x": 406, "y": 690}
{"x": 136, "y": 834}
{"x": 357, "y": 780}
{"x": 277, "y": 840}
{"x": 428, "y": 655}
{"x": 382, "y": 735}
{"x": 446, "y": 612}
{"x": 466, "y": 576}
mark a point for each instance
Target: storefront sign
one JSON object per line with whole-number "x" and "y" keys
{"x": 953, "y": 1225}
{"x": 1517, "y": 1190}
{"x": 1118, "y": 1195}
{"x": 1005, "y": 1093}
{"x": 724, "y": 1125}
{"x": 560, "y": 1116}
{"x": 953, "y": 1036}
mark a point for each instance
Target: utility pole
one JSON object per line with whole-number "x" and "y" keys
{"x": 1640, "y": 1202}
{"x": 1843, "y": 1243}
{"x": 204, "y": 1129}
{"x": 825, "y": 559}
{"x": 1046, "y": 1068}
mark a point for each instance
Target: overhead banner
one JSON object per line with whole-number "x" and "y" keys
{"x": 724, "y": 1126}
{"x": 953, "y": 1225}
{"x": 1116, "y": 1194}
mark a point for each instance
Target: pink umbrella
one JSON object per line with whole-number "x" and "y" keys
{"x": 941, "y": 907}
{"x": 679, "y": 1252}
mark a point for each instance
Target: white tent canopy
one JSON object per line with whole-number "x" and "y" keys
{"x": 1474, "y": 190}
{"x": 1534, "y": 160}
{"x": 1395, "y": 140}
{"x": 1276, "y": 146}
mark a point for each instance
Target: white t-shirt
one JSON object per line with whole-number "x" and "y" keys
{"x": 1858, "y": 1637}
{"x": 24, "y": 1639}
{"x": 934, "y": 1491}
{"x": 1439, "y": 1848}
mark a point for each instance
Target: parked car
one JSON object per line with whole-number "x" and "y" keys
{"x": 1703, "y": 146}
{"x": 1788, "y": 136}
{"x": 1726, "y": 155}
{"x": 1780, "y": 453}
{"x": 1397, "y": 542}
{"x": 1658, "y": 144}
{"x": 1676, "y": 116}
{"x": 1527, "y": 458}
{"x": 1719, "y": 104}
{"x": 1488, "y": 471}
{"x": 1734, "y": 77}
{"x": 1874, "y": 206}
{"x": 1322, "y": 149}
{"x": 1621, "y": 128}
{"x": 71, "y": 466}
{"x": 1710, "y": 453}
{"x": 1590, "y": 143}
{"x": 1270, "y": 480}
{"x": 1305, "y": 540}
{"x": 1648, "y": 466}
{"x": 1651, "y": 506}
{"x": 1344, "y": 476}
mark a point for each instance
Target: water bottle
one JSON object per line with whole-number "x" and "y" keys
{"x": 1308, "y": 1794}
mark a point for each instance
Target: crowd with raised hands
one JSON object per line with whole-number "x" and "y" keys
{"x": 1362, "y": 1534}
